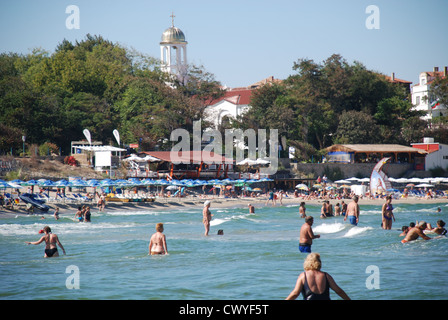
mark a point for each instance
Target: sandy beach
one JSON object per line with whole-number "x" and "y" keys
{"x": 217, "y": 202}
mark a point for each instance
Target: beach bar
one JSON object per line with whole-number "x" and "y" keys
{"x": 189, "y": 164}
{"x": 372, "y": 153}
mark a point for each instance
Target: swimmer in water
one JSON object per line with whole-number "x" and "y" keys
{"x": 251, "y": 208}
{"x": 51, "y": 250}
{"x": 440, "y": 229}
{"x": 157, "y": 244}
{"x": 416, "y": 232}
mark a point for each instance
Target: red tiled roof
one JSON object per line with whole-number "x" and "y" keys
{"x": 238, "y": 97}
{"x": 397, "y": 80}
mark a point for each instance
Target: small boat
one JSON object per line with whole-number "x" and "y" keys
{"x": 34, "y": 201}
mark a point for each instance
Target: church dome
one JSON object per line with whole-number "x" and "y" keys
{"x": 173, "y": 35}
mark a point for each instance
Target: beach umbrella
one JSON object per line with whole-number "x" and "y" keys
{"x": 4, "y": 184}
{"x": 302, "y": 186}
{"x": 353, "y": 179}
{"x": 342, "y": 181}
{"x": 317, "y": 186}
{"x": 30, "y": 183}
{"x": 147, "y": 182}
{"x": 344, "y": 186}
{"x": 107, "y": 183}
{"x": 262, "y": 161}
{"x": 93, "y": 183}
{"x": 214, "y": 181}
{"x": 424, "y": 185}
{"x": 410, "y": 185}
{"x": 227, "y": 181}
{"x": 62, "y": 183}
{"x": 79, "y": 183}
{"x": 161, "y": 182}
{"x": 46, "y": 183}
{"x": 14, "y": 185}
{"x": 257, "y": 189}
{"x": 247, "y": 161}
{"x": 135, "y": 181}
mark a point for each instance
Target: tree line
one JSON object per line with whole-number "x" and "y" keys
{"x": 101, "y": 86}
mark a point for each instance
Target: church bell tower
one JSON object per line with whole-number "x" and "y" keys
{"x": 173, "y": 51}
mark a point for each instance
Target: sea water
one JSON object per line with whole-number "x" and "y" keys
{"x": 256, "y": 258}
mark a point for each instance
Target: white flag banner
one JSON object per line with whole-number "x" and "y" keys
{"x": 116, "y": 135}
{"x": 87, "y": 135}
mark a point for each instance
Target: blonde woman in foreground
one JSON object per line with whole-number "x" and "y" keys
{"x": 315, "y": 284}
{"x": 157, "y": 244}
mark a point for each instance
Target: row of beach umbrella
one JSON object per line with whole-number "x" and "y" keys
{"x": 407, "y": 182}
{"x": 131, "y": 182}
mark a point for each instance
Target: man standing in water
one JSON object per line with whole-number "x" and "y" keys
{"x": 307, "y": 235}
{"x": 206, "y": 216}
{"x": 353, "y": 212}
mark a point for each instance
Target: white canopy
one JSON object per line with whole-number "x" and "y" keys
{"x": 99, "y": 148}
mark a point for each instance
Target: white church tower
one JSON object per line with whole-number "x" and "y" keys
{"x": 173, "y": 51}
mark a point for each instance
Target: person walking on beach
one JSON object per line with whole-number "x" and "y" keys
{"x": 387, "y": 214}
{"x": 307, "y": 235}
{"x": 353, "y": 212}
{"x": 206, "y": 216}
{"x": 416, "y": 232}
{"x": 157, "y": 243}
{"x": 271, "y": 198}
{"x": 315, "y": 284}
{"x": 51, "y": 250}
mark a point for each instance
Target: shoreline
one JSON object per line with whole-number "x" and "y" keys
{"x": 167, "y": 203}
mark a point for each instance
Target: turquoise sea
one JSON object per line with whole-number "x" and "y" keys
{"x": 257, "y": 258}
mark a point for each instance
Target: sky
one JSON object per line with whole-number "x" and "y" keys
{"x": 242, "y": 42}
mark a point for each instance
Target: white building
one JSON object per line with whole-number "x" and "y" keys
{"x": 233, "y": 104}
{"x": 437, "y": 153}
{"x": 423, "y": 100}
{"x": 173, "y": 52}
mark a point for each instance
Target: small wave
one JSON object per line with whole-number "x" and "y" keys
{"x": 329, "y": 227}
{"x": 356, "y": 231}
{"x": 216, "y": 222}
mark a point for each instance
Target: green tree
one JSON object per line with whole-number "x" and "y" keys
{"x": 357, "y": 127}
